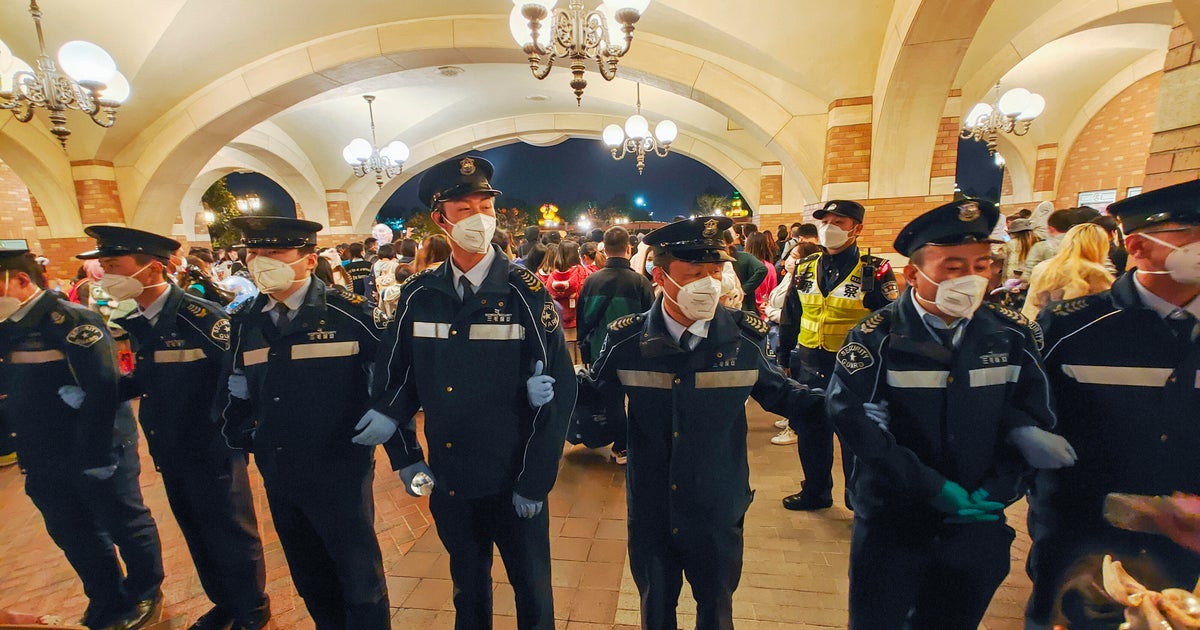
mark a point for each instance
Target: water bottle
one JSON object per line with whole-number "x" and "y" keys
{"x": 422, "y": 484}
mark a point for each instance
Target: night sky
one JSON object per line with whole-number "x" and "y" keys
{"x": 583, "y": 170}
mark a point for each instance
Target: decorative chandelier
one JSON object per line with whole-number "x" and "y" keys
{"x": 636, "y": 139}
{"x": 91, "y": 83}
{"x": 576, "y": 34}
{"x": 1012, "y": 113}
{"x": 366, "y": 157}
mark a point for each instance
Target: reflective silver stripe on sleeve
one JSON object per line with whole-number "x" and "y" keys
{"x": 1118, "y": 375}
{"x": 500, "y": 332}
{"x": 917, "y": 379}
{"x": 36, "y": 356}
{"x": 639, "y": 378}
{"x": 254, "y": 357}
{"x": 431, "y": 330}
{"x": 997, "y": 375}
{"x": 325, "y": 350}
{"x": 186, "y": 355}
{"x": 731, "y": 378}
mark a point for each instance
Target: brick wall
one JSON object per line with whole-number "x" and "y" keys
{"x": 1175, "y": 149}
{"x": 17, "y": 218}
{"x": 99, "y": 201}
{"x": 1006, "y": 185}
{"x": 61, "y": 252}
{"x": 770, "y": 190}
{"x": 945, "y": 148}
{"x": 847, "y": 154}
{"x": 339, "y": 208}
{"x": 1112, "y": 149}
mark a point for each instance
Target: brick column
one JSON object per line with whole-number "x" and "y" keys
{"x": 1044, "y": 172}
{"x": 96, "y": 192}
{"x": 1175, "y": 147}
{"x": 943, "y": 171}
{"x": 338, "y": 203}
{"x": 770, "y": 192}
{"x": 17, "y": 218}
{"x": 847, "y": 164}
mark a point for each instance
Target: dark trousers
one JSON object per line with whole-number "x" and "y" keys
{"x": 814, "y": 434}
{"x": 468, "y": 528}
{"x": 90, "y": 520}
{"x": 709, "y": 557}
{"x": 324, "y": 512}
{"x": 212, "y": 502}
{"x": 913, "y": 567}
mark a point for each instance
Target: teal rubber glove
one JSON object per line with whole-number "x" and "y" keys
{"x": 977, "y": 497}
{"x": 409, "y": 473}
{"x": 525, "y": 507}
{"x": 953, "y": 500}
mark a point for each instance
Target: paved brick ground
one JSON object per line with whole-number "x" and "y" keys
{"x": 794, "y": 574}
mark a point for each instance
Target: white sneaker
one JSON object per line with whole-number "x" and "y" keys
{"x": 785, "y": 437}
{"x": 781, "y": 423}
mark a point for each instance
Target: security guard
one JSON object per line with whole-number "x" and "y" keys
{"x": 931, "y": 393}
{"x": 299, "y": 365}
{"x": 688, "y": 367}
{"x": 1123, "y": 365}
{"x": 180, "y": 341}
{"x": 77, "y": 445}
{"x": 477, "y": 343}
{"x": 829, "y": 293}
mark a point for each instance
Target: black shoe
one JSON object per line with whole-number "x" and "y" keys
{"x": 255, "y": 620}
{"x": 216, "y": 618}
{"x": 143, "y": 613}
{"x": 802, "y": 502}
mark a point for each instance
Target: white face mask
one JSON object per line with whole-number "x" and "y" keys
{"x": 1182, "y": 264}
{"x": 697, "y": 299}
{"x": 473, "y": 233}
{"x": 125, "y": 287}
{"x": 273, "y": 276}
{"x": 957, "y": 297}
{"x": 10, "y": 305}
{"x": 832, "y": 236}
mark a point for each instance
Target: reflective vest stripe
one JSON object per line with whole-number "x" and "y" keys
{"x": 186, "y": 355}
{"x": 325, "y": 350}
{"x": 998, "y": 375}
{"x": 497, "y": 331}
{"x": 431, "y": 330}
{"x": 36, "y": 356}
{"x": 640, "y": 378}
{"x": 827, "y": 319}
{"x": 1118, "y": 375}
{"x": 731, "y": 378}
{"x": 918, "y": 379}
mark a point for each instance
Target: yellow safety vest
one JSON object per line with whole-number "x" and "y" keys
{"x": 827, "y": 319}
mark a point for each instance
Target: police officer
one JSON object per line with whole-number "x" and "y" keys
{"x": 77, "y": 445}
{"x": 477, "y": 343}
{"x": 180, "y": 341}
{"x": 299, "y": 365}
{"x": 929, "y": 394}
{"x": 829, "y": 292}
{"x": 1123, "y": 366}
{"x": 688, "y": 367}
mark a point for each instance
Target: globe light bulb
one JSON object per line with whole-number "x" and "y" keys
{"x": 6, "y": 56}
{"x": 396, "y": 152}
{"x": 666, "y": 132}
{"x": 981, "y": 110}
{"x": 86, "y": 62}
{"x": 545, "y": 4}
{"x": 15, "y": 65}
{"x": 636, "y": 5}
{"x": 1014, "y": 101}
{"x": 117, "y": 89}
{"x": 636, "y": 127}
{"x": 358, "y": 151}
{"x": 613, "y": 136}
{"x": 1036, "y": 106}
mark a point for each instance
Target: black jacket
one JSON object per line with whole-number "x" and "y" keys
{"x": 609, "y": 293}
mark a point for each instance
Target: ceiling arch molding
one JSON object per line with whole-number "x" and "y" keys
{"x": 43, "y": 167}
{"x": 233, "y": 159}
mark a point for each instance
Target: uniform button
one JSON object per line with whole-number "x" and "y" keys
{"x": 152, "y": 432}
{"x": 949, "y": 379}
{"x": 675, "y": 434}
{"x": 276, "y": 399}
{"x": 449, "y": 389}
{"x": 674, "y": 487}
{"x": 677, "y": 381}
{"x": 451, "y": 493}
{"x": 1171, "y": 380}
{"x": 12, "y": 435}
{"x": 719, "y": 355}
{"x": 3, "y": 396}
{"x": 483, "y": 302}
{"x": 449, "y": 444}
{"x": 674, "y": 531}
{"x": 500, "y": 304}
{"x": 1163, "y": 437}
{"x": 141, "y": 357}
{"x": 453, "y": 333}
{"x": 145, "y": 396}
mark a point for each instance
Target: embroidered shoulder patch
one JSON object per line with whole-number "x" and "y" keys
{"x": 855, "y": 357}
{"x": 220, "y": 331}
{"x": 1008, "y": 313}
{"x": 754, "y": 323}
{"x": 1039, "y": 338}
{"x": 197, "y": 310}
{"x": 419, "y": 274}
{"x": 380, "y": 317}
{"x": 622, "y": 323}
{"x": 1070, "y": 307}
{"x": 890, "y": 290}
{"x": 85, "y": 336}
{"x": 531, "y": 281}
{"x": 872, "y": 322}
{"x": 549, "y": 316}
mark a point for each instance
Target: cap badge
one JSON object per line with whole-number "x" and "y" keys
{"x": 710, "y": 228}
{"x": 466, "y": 166}
{"x": 831, "y": 207}
{"x": 968, "y": 211}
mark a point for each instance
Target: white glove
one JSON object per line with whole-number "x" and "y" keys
{"x": 239, "y": 387}
{"x": 540, "y": 387}
{"x": 1043, "y": 449}
{"x": 878, "y": 413}
{"x": 374, "y": 428}
{"x": 102, "y": 473}
{"x": 72, "y": 395}
{"x": 527, "y": 508}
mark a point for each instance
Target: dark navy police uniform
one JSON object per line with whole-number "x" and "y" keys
{"x": 308, "y": 381}
{"x": 466, "y": 361}
{"x": 56, "y": 343}
{"x": 951, "y": 407}
{"x": 1128, "y": 389}
{"x": 687, "y": 477}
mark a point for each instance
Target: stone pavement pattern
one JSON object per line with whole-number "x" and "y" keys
{"x": 794, "y": 574}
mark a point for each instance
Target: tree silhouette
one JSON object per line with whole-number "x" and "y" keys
{"x": 218, "y": 200}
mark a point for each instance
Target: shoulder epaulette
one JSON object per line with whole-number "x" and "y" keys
{"x": 1007, "y": 313}
{"x": 872, "y": 322}
{"x": 810, "y": 257}
{"x": 1070, "y": 307}
{"x": 346, "y": 295}
{"x": 621, "y": 323}
{"x": 414, "y": 277}
{"x": 527, "y": 278}
{"x": 753, "y": 323}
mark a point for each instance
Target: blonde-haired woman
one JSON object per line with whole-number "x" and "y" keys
{"x": 1075, "y": 271}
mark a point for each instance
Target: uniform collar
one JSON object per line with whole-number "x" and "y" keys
{"x": 698, "y": 328}
{"x": 27, "y": 307}
{"x": 152, "y": 312}
{"x": 477, "y": 274}
{"x": 1161, "y": 307}
{"x": 617, "y": 263}
{"x": 293, "y": 301}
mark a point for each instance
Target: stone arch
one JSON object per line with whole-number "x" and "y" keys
{"x": 230, "y": 160}
{"x": 44, "y": 168}
{"x": 153, "y": 168}
{"x": 1020, "y": 165}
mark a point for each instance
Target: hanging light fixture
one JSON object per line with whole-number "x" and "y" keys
{"x": 1012, "y": 113}
{"x": 576, "y": 34}
{"x": 635, "y": 138}
{"x": 366, "y": 157}
{"x": 88, "y": 82}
